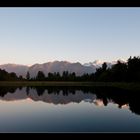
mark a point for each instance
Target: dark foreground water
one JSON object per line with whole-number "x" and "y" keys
{"x": 68, "y": 109}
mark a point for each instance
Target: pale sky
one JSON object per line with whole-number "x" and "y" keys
{"x": 39, "y": 35}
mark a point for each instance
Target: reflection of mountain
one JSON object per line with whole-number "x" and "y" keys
{"x": 99, "y": 102}
{"x": 61, "y": 98}
{"x": 65, "y": 95}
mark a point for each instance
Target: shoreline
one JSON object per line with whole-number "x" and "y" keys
{"x": 124, "y": 85}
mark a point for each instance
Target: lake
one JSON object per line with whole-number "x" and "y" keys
{"x": 69, "y": 109}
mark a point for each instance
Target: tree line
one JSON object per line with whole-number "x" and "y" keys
{"x": 5, "y": 76}
{"x": 120, "y": 72}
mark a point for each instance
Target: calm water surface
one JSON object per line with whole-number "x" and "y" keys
{"x": 68, "y": 109}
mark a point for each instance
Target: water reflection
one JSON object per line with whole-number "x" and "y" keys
{"x": 65, "y": 95}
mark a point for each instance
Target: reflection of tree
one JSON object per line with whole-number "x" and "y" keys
{"x": 5, "y": 90}
{"x": 134, "y": 105}
{"x": 105, "y": 101}
{"x": 65, "y": 92}
{"x": 104, "y": 94}
{"x": 56, "y": 90}
{"x": 20, "y": 88}
{"x": 40, "y": 90}
{"x": 27, "y": 90}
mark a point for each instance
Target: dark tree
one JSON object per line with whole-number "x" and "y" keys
{"x": 20, "y": 77}
{"x": 5, "y": 76}
{"x": 104, "y": 66}
{"x": 28, "y": 76}
{"x": 134, "y": 69}
{"x": 40, "y": 76}
{"x": 50, "y": 76}
{"x": 58, "y": 76}
{"x": 102, "y": 73}
{"x": 119, "y": 71}
{"x": 72, "y": 76}
{"x": 65, "y": 75}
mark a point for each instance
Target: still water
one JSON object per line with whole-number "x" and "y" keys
{"x": 68, "y": 109}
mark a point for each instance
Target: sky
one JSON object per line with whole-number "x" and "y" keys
{"x": 39, "y": 35}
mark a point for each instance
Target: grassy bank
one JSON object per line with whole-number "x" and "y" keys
{"x": 129, "y": 86}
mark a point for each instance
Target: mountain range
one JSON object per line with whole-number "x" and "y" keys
{"x": 55, "y": 66}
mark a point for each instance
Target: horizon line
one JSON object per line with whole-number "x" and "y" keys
{"x": 96, "y": 60}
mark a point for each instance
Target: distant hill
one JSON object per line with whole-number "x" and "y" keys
{"x": 18, "y": 69}
{"x": 60, "y": 66}
{"x": 56, "y": 66}
{"x": 98, "y": 64}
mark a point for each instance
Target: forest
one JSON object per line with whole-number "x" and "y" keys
{"x": 120, "y": 72}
